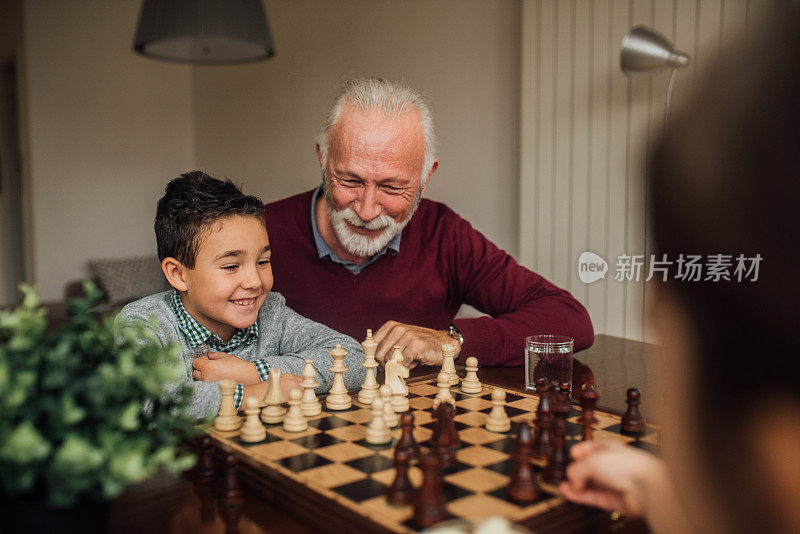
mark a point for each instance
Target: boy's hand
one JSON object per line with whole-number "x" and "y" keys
{"x": 218, "y": 365}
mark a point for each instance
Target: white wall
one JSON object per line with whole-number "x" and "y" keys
{"x": 257, "y": 123}
{"x": 106, "y": 129}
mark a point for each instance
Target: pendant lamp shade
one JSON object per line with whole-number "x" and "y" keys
{"x": 645, "y": 50}
{"x": 203, "y": 31}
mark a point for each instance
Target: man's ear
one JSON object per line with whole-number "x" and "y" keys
{"x": 430, "y": 174}
{"x": 175, "y": 272}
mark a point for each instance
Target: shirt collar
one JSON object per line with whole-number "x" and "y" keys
{"x": 326, "y": 253}
{"x": 197, "y": 334}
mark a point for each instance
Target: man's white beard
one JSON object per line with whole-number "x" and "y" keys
{"x": 361, "y": 245}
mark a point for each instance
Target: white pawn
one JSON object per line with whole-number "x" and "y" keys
{"x": 498, "y": 420}
{"x": 338, "y": 397}
{"x": 449, "y": 363}
{"x": 389, "y": 416}
{"x": 274, "y": 412}
{"x": 227, "y": 419}
{"x": 310, "y": 405}
{"x": 252, "y": 430}
{"x": 295, "y": 421}
{"x": 471, "y": 384}
{"x": 378, "y": 432}
{"x": 444, "y": 395}
{"x": 369, "y": 390}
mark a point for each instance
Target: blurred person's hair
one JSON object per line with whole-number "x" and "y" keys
{"x": 191, "y": 204}
{"x": 726, "y": 180}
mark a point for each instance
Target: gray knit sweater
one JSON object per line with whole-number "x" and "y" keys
{"x": 285, "y": 340}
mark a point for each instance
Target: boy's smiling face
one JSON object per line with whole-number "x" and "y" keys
{"x": 232, "y": 275}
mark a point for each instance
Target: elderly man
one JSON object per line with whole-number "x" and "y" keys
{"x": 363, "y": 250}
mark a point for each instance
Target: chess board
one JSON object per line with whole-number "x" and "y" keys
{"x": 331, "y": 470}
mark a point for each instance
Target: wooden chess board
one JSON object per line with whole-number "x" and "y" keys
{"x": 330, "y": 471}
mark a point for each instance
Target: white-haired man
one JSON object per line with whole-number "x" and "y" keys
{"x": 363, "y": 250}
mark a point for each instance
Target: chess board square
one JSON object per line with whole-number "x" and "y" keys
{"x": 479, "y": 436}
{"x": 617, "y": 428}
{"x": 361, "y": 490}
{"x": 327, "y": 423}
{"x": 529, "y": 404}
{"x": 453, "y": 492}
{"x": 423, "y": 389}
{"x": 573, "y": 429}
{"x": 510, "y": 411}
{"x": 315, "y": 441}
{"x": 505, "y": 445}
{"x": 378, "y": 507}
{"x": 343, "y": 452}
{"x": 455, "y": 468}
{"x": 387, "y": 476}
{"x": 473, "y": 403}
{"x": 361, "y": 415}
{"x": 277, "y": 450}
{"x": 478, "y": 479}
{"x": 478, "y": 455}
{"x": 502, "y": 494}
{"x": 505, "y": 467}
{"x": 422, "y": 417}
{"x": 281, "y": 433}
{"x": 477, "y": 507}
{"x": 421, "y": 403}
{"x": 510, "y": 397}
{"x": 349, "y": 433}
{"x": 371, "y": 464}
{"x": 330, "y": 475}
{"x": 302, "y": 462}
{"x": 471, "y": 418}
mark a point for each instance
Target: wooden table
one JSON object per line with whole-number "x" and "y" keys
{"x": 182, "y": 504}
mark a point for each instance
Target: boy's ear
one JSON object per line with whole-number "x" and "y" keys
{"x": 175, "y": 273}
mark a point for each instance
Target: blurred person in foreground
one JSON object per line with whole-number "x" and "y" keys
{"x": 725, "y": 180}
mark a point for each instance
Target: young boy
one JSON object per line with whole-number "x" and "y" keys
{"x": 214, "y": 251}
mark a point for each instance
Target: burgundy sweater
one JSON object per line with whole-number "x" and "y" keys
{"x": 443, "y": 262}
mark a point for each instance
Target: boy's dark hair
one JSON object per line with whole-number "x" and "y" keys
{"x": 192, "y": 202}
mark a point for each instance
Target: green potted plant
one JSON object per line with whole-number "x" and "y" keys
{"x": 85, "y": 412}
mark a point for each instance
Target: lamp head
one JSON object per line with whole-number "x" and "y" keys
{"x": 646, "y": 50}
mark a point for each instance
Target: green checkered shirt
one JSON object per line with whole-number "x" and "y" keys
{"x": 197, "y": 334}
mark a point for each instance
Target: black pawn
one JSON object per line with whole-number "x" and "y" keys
{"x": 523, "y": 488}
{"x": 563, "y": 397}
{"x": 407, "y": 441}
{"x": 556, "y": 469}
{"x": 430, "y": 504}
{"x": 633, "y": 423}
{"x": 559, "y": 408}
{"x": 444, "y": 446}
{"x": 401, "y": 492}
{"x": 541, "y": 385}
{"x": 543, "y": 435}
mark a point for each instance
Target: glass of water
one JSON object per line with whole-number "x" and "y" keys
{"x": 549, "y": 356}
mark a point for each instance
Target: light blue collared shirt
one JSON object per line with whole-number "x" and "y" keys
{"x": 326, "y": 253}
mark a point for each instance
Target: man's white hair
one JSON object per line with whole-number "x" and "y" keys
{"x": 391, "y": 98}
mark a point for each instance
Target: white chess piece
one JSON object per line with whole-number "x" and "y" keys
{"x": 274, "y": 412}
{"x": 449, "y": 363}
{"x": 227, "y": 419}
{"x": 253, "y": 430}
{"x": 389, "y": 416}
{"x": 295, "y": 421}
{"x": 444, "y": 395}
{"x": 338, "y": 398}
{"x": 498, "y": 421}
{"x": 395, "y": 372}
{"x": 369, "y": 390}
{"x": 471, "y": 384}
{"x": 310, "y": 405}
{"x": 378, "y": 432}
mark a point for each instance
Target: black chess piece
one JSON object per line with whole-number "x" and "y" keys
{"x": 230, "y": 498}
{"x": 523, "y": 488}
{"x": 564, "y": 390}
{"x": 401, "y": 492}
{"x": 633, "y": 423}
{"x": 589, "y": 398}
{"x": 541, "y": 384}
{"x": 543, "y": 434}
{"x": 430, "y": 504}
{"x": 407, "y": 441}
{"x": 556, "y": 469}
{"x": 560, "y": 407}
{"x": 444, "y": 445}
{"x": 450, "y": 411}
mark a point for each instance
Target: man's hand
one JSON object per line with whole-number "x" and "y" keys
{"x": 419, "y": 345}
{"x": 218, "y": 365}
